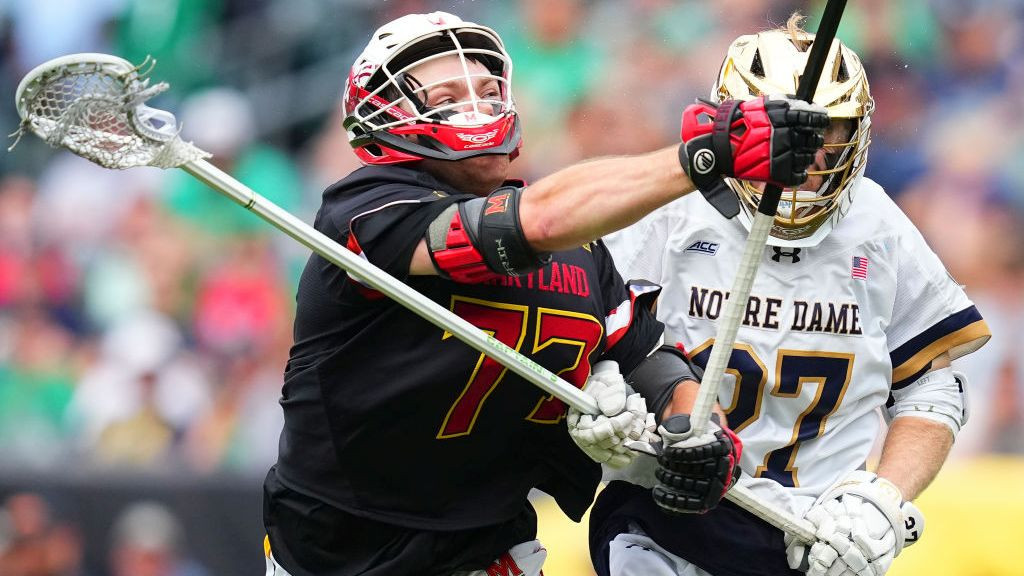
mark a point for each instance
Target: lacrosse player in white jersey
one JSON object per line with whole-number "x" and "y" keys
{"x": 850, "y": 312}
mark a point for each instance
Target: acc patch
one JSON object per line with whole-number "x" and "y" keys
{"x": 703, "y": 246}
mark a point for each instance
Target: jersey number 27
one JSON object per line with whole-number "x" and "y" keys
{"x": 829, "y": 372}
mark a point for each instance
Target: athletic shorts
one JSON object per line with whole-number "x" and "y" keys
{"x": 310, "y": 538}
{"x": 726, "y": 541}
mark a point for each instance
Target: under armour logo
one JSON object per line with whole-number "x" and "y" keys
{"x": 794, "y": 254}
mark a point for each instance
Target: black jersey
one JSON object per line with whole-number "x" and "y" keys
{"x": 389, "y": 417}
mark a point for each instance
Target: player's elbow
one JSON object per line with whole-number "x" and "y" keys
{"x": 543, "y": 234}
{"x": 940, "y": 395}
{"x": 544, "y": 230}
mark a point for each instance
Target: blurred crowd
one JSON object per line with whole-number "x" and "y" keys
{"x": 145, "y": 321}
{"x": 146, "y": 539}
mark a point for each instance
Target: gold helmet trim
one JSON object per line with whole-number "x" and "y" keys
{"x": 772, "y": 62}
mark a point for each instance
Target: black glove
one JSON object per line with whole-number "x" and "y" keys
{"x": 722, "y": 198}
{"x": 695, "y": 473}
{"x": 768, "y": 139}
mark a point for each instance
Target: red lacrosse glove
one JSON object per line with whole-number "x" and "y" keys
{"x": 768, "y": 139}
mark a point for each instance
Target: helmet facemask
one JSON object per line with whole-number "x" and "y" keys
{"x": 389, "y": 113}
{"x": 806, "y": 213}
{"x": 771, "y": 63}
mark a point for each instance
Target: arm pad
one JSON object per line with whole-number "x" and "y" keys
{"x": 482, "y": 237}
{"x": 656, "y": 376}
{"x": 939, "y": 395}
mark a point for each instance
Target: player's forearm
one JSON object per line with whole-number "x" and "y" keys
{"x": 913, "y": 453}
{"x": 684, "y": 397}
{"x": 590, "y": 199}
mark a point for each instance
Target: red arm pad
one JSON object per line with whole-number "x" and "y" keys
{"x": 454, "y": 256}
{"x": 482, "y": 239}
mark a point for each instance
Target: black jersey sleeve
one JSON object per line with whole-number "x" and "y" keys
{"x": 383, "y": 225}
{"x": 633, "y": 332}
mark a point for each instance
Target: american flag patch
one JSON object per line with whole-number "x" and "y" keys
{"x": 859, "y": 269}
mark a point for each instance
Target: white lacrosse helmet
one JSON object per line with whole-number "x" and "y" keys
{"x": 772, "y": 62}
{"x": 386, "y": 115}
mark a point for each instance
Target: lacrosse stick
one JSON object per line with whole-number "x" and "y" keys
{"x": 736, "y": 305}
{"x": 94, "y": 105}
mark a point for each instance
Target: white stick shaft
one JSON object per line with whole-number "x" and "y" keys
{"x": 463, "y": 330}
{"x": 781, "y": 519}
{"x": 725, "y": 338}
{"x": 390, "y": 286}
{"x": 735, "y": 308}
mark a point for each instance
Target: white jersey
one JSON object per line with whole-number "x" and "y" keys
{"x": 828, "y": 330}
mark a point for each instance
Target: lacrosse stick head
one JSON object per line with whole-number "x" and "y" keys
{"x": 94, "y": 105}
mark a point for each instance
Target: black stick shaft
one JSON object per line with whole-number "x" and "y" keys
{"x": 769, "y": 202}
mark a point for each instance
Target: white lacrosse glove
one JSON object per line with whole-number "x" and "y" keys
{"x": 623, "y": 418}
{"x": 861, "y": 524}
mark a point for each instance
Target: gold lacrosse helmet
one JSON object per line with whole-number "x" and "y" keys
{"x": 771, "y": 62}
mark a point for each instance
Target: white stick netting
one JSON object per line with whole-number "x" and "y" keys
{"x": 94, "y": 105}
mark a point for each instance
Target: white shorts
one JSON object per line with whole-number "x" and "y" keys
{"x": 526, "y": 559}
{"x": 634, "y": 554}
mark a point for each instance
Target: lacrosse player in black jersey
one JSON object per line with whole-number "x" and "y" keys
{"x": 405, "y": 451}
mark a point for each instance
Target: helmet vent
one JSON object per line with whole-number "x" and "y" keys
{"x": 756, "y": 66}
{"x": 843, "y": 74}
